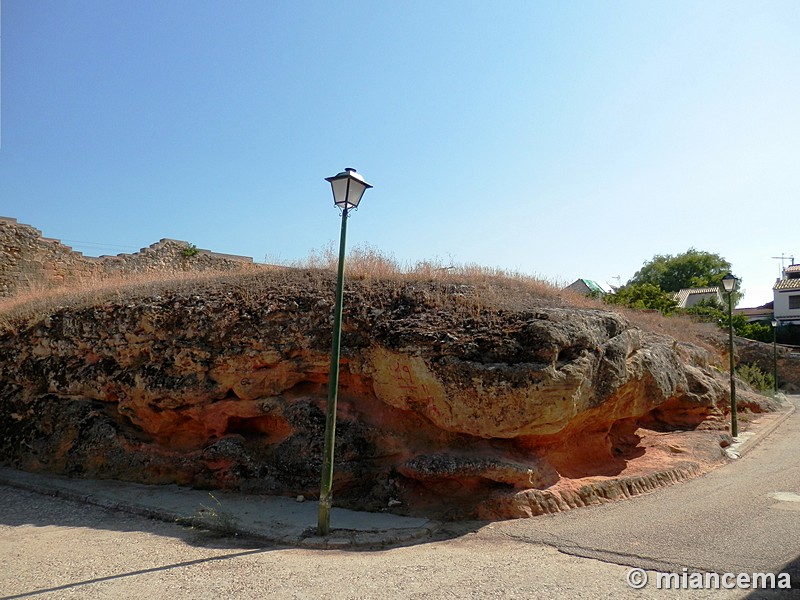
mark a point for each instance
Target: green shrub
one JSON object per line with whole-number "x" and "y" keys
{"x": 761, "y": 332}
{"x": 756, "y": 378}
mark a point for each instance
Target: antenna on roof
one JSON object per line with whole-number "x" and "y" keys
{"x": 783, "y": 258}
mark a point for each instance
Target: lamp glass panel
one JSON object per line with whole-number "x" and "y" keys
{"x": 357, "y": 190}
{"x": 729, "y": 283}
{"x": 339, "y": 187}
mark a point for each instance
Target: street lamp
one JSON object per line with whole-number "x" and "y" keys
{"x": 730, "y": 284}
{"x": 348, "y": 188}
{"x": 775, "y": 353}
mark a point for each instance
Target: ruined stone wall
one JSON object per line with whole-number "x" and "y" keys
{"x": 30, "y": 261}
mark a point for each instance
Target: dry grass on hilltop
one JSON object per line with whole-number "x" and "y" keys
{"x": 489, "y": 291}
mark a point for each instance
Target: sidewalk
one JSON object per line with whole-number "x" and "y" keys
{"x": 277, "y": 519}
{"x": 273, "y": 519}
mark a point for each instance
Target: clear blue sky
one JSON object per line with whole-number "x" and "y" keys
{"x": 560, "y": 139}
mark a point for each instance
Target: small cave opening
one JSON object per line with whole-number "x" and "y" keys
{"x": 308, "y": 388}
{"x": 623, "y": 438}
{"x": 276, "y": 429}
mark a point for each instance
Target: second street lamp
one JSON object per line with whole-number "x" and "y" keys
{"x": 730, "y": 283}
{"x": 348, "y": 188}
{"x": 775, "y": 354}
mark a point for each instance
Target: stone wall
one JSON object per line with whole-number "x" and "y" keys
{"x": 30, "y": 261}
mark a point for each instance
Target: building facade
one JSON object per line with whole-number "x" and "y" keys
{"x": 787, "y": 296}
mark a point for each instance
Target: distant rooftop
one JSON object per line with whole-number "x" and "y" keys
{"x": 790, "y": 280}
{"x": 787, "y": 284}
{"x": 690, "y": 296}
{"x": 581, "y": 285}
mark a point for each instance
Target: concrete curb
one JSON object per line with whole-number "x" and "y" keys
{"x": 750, "y": 439}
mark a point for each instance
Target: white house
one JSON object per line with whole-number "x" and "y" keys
{"x": 787, "y": 296}
{"x": 690, "y": 296}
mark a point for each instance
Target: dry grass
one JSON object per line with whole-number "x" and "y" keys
{"x": 497, "y": 289}
{"x": 481, "y": 291}
{"x": 365, "y": 263}
{"x": 38, "y": 300}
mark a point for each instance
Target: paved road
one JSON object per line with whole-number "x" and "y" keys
{"x": 741, "y": 518}
{"x": 51, "y": 548}
{"x": 726, "y": 521}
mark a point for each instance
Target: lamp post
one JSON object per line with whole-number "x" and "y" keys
{"x": 348, "y": 187}
{"x": 730, "y": 284}
{"x": 775, "y": 354}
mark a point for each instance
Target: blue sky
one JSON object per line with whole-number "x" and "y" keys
{"x": 559, "y": 139}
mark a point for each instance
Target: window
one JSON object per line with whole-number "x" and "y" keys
{"x": 794, "y": 302}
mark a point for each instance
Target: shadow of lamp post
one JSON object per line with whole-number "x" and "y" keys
{"x": 730, "y": 284}
{"x": 348, "y": 188}
{"x": 775, "y": 354}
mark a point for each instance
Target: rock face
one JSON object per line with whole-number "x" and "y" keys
{"x": 443, "y": 404}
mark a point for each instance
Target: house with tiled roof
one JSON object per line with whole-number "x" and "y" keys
{"x": 688, "y": 297}
{"x": 787, "y": 296}
{"x": 764, "y": 313}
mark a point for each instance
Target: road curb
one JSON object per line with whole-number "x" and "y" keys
{"x": 748, "y": 442}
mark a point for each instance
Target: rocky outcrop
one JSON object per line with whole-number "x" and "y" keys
{"x": 444, "y": 404}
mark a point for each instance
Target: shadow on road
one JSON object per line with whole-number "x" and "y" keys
{"x": 26, "y": 507}
{"x": 793, "y": 569}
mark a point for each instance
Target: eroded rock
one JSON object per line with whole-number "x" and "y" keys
{"x": 443, "y": 405}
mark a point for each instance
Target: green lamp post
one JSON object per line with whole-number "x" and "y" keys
{"x": 348, "y": 188}
{"x": 775, "y": 354}
{"x": 730, "y": 284}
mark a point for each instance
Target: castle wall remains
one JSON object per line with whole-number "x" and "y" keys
{"x": 28, "y": 260}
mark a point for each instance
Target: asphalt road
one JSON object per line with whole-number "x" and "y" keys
{"x": 54, "y": 549}
{"x": 741, "y": 518}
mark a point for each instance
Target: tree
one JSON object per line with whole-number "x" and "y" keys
{"x": 713, "y": 312}
{"x": 643, "y": 296}
{"x": 710, "y": 310}
{"x": 691, "y": 269}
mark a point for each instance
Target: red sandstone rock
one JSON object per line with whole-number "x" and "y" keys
{"x": 445, "y": 405}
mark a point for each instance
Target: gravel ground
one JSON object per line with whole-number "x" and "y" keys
{"x": 52, "y": 548}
